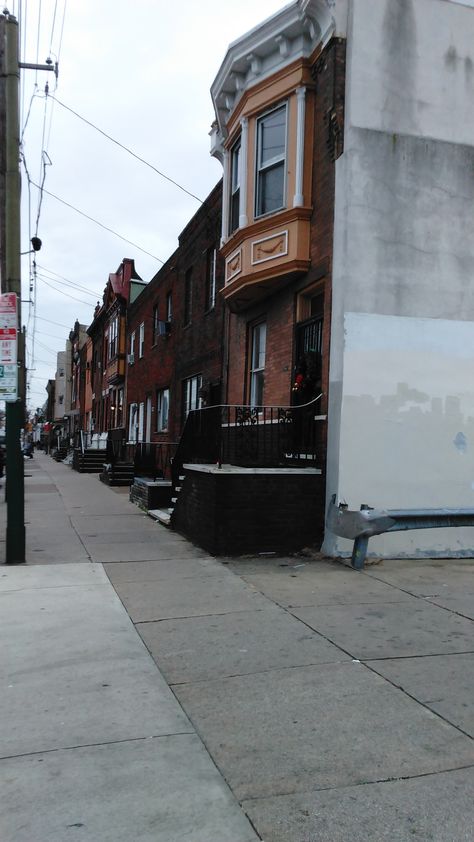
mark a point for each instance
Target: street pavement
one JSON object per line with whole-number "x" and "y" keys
{"x": 151, "y": 692}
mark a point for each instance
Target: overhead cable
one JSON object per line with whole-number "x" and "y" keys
{"x": 91, "y": 218}
{"x": 122, "y": 146}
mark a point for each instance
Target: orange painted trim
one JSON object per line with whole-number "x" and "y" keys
{"x": 264, "y": 225}
{"x": 266, "y": 93}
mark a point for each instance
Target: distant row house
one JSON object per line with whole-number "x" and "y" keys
{"x": 311, "y": 335}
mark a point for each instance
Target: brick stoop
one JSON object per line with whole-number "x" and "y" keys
{"x": 89, "y": 462}
{"x": 118, "y": 474}
{"x": 232, "y": 511}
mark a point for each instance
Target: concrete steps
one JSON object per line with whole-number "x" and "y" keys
{"x": 90, "y": 462}
{"x": 120, "y": 474}
{"x": 164, "y": 516}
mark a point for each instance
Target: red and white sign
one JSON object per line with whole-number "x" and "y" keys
{"x": 8, "y": 346}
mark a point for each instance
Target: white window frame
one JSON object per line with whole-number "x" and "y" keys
{"x": 132, "y": 346}
{"x": 257, "y": 364}
{"x": 141, "y": 421}
{"x": 113, "y": 338}
{"x": 263, "y": 168}
{"x": 169, "y": 306}
{"x": 211, "y": 279}
{"x": 156, "y": 319}
{"x": 132, "y": 422}
{"x": 235, "y": 176}
{"x": 141, "y": 341}
{"x": 162, "y": 410}
{"x": 191, "y": 397}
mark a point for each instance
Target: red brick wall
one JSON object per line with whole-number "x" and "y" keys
{"x": 280, "y": 309}
{"x": 196, "y": 348}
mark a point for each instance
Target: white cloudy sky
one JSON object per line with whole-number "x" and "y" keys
{"x": 141, "y": 72}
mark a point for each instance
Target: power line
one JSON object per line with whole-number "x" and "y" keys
{"x": 53, "y": 25}
{"x": 46, "y": 278}
{"x": 110, "y": 230}
{"x": 66, "y": 280}
{"x": 58, "y": 324}
{"x": 67, "y": 294}
{"x": 126, "y": 148}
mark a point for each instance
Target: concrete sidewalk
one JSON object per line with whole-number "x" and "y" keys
{"x": 93, "y": 743}
{"x": 335, "y": 705}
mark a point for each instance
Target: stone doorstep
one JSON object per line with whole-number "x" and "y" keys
{"x": 150, "y": 483}
{"x": 237, "y": 469}
{"x": 160, "y": 515}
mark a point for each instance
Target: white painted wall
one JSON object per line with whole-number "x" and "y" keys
{"x": 412, "y": 68}
{"x": 401, "y": 399}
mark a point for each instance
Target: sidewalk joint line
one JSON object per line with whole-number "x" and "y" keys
{"x": 422, "y": 704}
{"x": 98, "y": 745}
{"x": 389, "y": 780}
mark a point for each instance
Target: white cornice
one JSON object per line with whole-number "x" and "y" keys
{"x": 292, "y": 33}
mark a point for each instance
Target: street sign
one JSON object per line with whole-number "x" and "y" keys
{"x": 8, "y": 347}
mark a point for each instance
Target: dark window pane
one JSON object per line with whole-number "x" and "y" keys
{"x": 272, "y": 136}
{"x": 271, "y": 187}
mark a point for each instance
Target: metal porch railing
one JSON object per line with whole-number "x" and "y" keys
{"x": 259, "y": 436}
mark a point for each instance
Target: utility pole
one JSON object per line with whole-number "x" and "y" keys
{"x": 10, "y": 269}
{"x": 11, "y": 280}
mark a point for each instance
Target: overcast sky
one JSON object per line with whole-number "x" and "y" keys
{"x": 141, "y": 72}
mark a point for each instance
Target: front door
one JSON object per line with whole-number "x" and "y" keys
{"x": 141, "y": 412}
{"x": 148, "y": 419}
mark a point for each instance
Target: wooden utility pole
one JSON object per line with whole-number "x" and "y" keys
{"x": 10, "y": 267}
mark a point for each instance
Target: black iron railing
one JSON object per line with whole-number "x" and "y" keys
{"x": 260, "y": 436}
{"x": 149, "y": 459}
{"x": 152, "y": 459}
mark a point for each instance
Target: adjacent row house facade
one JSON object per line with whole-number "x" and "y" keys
{"x": 321, "y": 287}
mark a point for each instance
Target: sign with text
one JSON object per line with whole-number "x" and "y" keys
{"x": 8, "y": 347}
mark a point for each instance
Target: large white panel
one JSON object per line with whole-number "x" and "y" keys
{"x": 411, "y": 68}
{"x": 407, "y": 423}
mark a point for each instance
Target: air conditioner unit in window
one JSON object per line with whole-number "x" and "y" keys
{"x": 164, "y": 328}
{"x": 131, "y": 359}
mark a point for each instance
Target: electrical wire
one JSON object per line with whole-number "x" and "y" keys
{"x": 66, "y": 280}
{"x": 52, "y": 27}
{"x": 67, "y": 294}
{"x": 100, "y": 224}
{"x": 56, "y": 338}
{"x": 38, "y": 38}
{"x": 58, "y": 324}
{"x": 43, "y": 277}
{"x": 126, "y": 148}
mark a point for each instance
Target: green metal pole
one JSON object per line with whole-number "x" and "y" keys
{"x": 15, "y": 489}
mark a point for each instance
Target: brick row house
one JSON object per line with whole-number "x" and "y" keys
{"x": 175, "y": 334}
{"x": 312, "y": 335}
{"x": 108, "y": 333}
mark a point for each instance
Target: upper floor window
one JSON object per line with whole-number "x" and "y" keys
{"x": 141, "y": 340}
{"x": 113, "y": 337}
{"x": 131, "y": 357}
{"x": 271, "y": 162}
{"x": 188, "y": 296}
{"x": 156, "y": 319}
{"x": 211, "y": 279}
{"x": 169, "y": 307}
{"x": 234, "y": 187}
